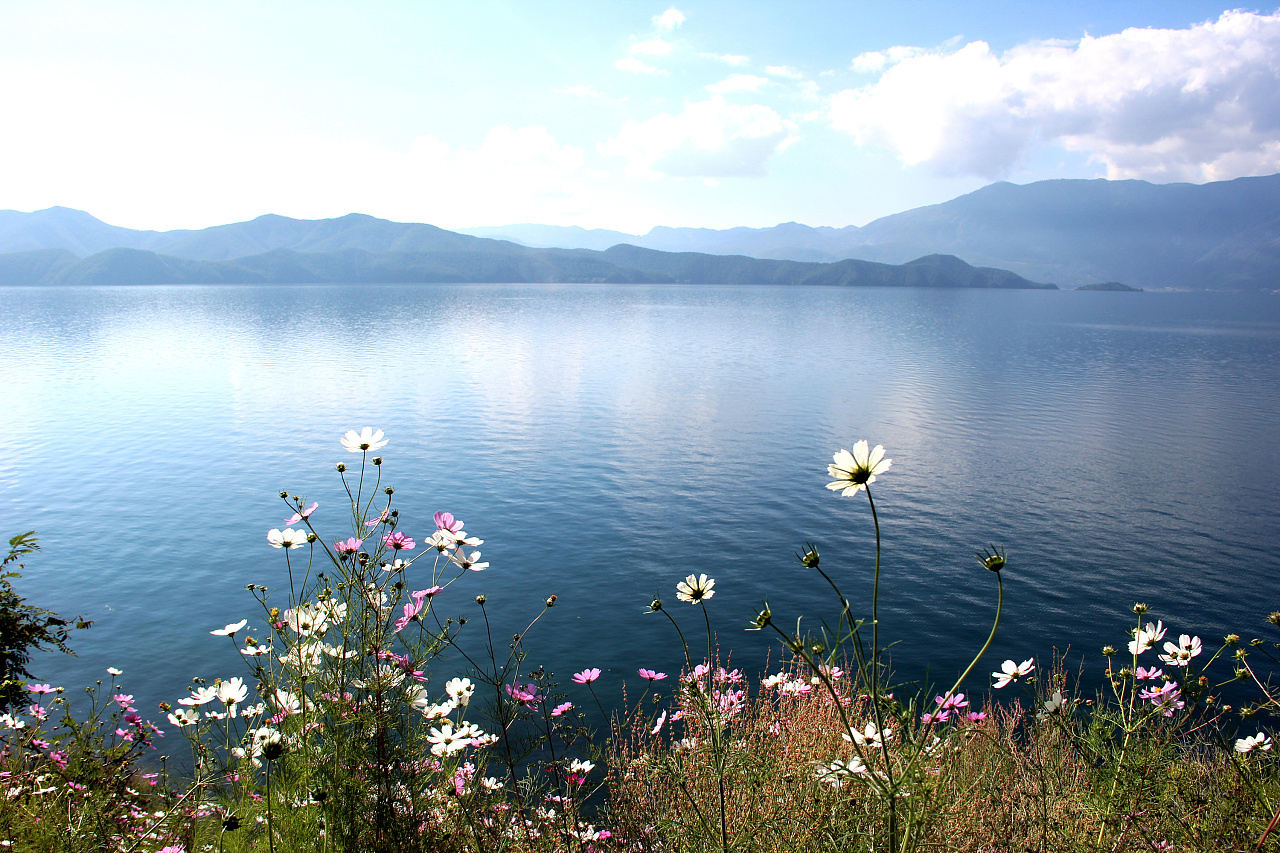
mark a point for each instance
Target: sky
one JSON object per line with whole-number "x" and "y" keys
{"x": 619, "y": 115}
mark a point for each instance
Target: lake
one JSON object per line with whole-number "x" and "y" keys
{"x": 605, "y": 441}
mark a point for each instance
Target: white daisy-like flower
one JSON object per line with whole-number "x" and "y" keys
{"x": 1253, "y": 743}
{"x": 695, "y": 588}
{"x": 111, "y": 670}
{"x": 459, "y": 690}
{"x": 200, "y": 696}
{"x": 1146, "y": 637}
{"x": 446, "y": 740}
{"x": 366, "y": 440}
{"x": 580, "y": 766}
{"x": 1009, "y": 672}
{"x": 870, "y": 736}
{"x": 1181, "y": 654}
{"x": 838, "y": 772}
{"x": 857, "y": 470}
{"x": 287, "y": 538}
{"x": 233, "y": 691}
{"x": 183, "y": 717}
{"x": 230, "y": 630}
{"x": 1052, "y": 706}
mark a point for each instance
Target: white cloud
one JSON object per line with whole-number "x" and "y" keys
{"x": 637, "y": 66}
{"x": 729, "y": 58}
{"x": 669, "y": 19}
{"x": 651, "y": 47}
{"x": 785, "y": 71}
{"x": 738, "y": 83}
{"x": 709, "y": 139}
{"x": 1201, "y": 103}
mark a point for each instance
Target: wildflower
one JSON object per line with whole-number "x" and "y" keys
{"x": 123, "y": 700}
{"x": 232, "y": 692}
{"x": 1148, "y": 673}
{"x": 446, "y": 522}
{"x": 1181, "y": 654}
{"x": 298, "y": 516}
{"x": 1253, "y": 742}
{"x": 562, "y": 709}
{"x": 230, "y": 630}
{"x": 992, "y": 560}
{"x": 471, "y": 561}
{"x": 446, "y": 740}
{"x": 1167, "y": 699}
{"x": 586, "y": 676}
{"x": 346, "y": 549}
{"x": 398, "y": 541}
{"x": 287, "y": 538}
{"x": 1052, "y": 706}
{"x": 112, "y": 671}
{"x": 580, "y": 766}
{"x": 40, "y": 689}
{"x": 695, "y": 588}
{"x": 976, "y": 716}
{"x": 650, "y": 675}
{"x": 184, "y": 717}
{"x": 459, "y": 690}
{"x": 1146, "y": 637}
{"x": 951, "y": 702}
{"x": 1009, "y": 671}
{"x": 838, "y": 772}
{"x": 524, "y": 693}
{"x": 411, "y": 611}
{"x": 657, "y": 726}
{"x": 857, "y": 470}
{"x": 367, "y": 439}
{"x": 870, "y": 736}
{"x": 200, "y": 696}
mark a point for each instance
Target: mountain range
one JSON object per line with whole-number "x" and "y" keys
{"x": 1223, "y": 235}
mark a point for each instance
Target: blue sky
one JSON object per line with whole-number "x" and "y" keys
{"x": 616, "y": 115}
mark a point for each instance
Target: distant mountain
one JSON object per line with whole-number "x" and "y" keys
{"x": 1223, "y": 235}
{"x": 486, "y": 261}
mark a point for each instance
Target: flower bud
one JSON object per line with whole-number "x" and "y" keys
{"x": 284, "y": 495}
{"x": 1274, "y": 618}
{"x": 1108, "y": 650}
{"x": 311, "y": 537}
{"x": 377, "y": 460}
{"x": 809, "y": 557}
{"x": 166, "y": 707}
{"x": 341, "y": 467}
{"x": 1231, "y": 639}
{"x": 1139, "y": 608}
{"x": 1255, "y": 642}
{"x": 480, "y": 599}
{"x": 992, "y": 560}
{"x": 551, "y": 601}
{"x": 389, "y": 491}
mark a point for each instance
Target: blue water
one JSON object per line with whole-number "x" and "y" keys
{"x": 605, "y": 441}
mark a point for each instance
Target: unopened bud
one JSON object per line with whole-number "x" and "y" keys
{"x": 284, "y": 495}
{"x": 341, "y": 467}
{"x": 1108, "y": 650}
{"x": 388, "y": 490}
{"x": 377, "y": 460}
{"x": 480, "y": 599}
{"x": 1231, "y": 639}
{"x": 551, "y": 601}
{"x": 1139, "y": 608}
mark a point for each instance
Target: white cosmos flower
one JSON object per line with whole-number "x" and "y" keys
{"x": 1009, "y": 671}
{"x": 695, "y": 588}
{"x": 1146, "y": 637}
{"x": 1181, "y": 654}
{"x": 1253, "y": 742}
{"x": 446, "y": 740}
{"x": 870, "y": 736}
{"x": 365, "y": 440}
{"x": 579, "y": 766}
{"x": 111, "y": 670}
{"x": 287, "y": 538}
{"x": 459, "y": 690}
{"x": 183, "y": 717}
{"x": 201, "y": 696}
{"x": 857, "y": 470}
{"x": 233, "y": 691}
{"x": 838, "y": 772}
{"x": 230, "y": 630}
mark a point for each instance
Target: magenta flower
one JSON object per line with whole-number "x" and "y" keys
{"x": 346, "y": 549}
{"x": 430, "y": 592}
{"x": 374, "y": 522}
{"x": 123, "y": 700}
{"x": 975, "y": 716}
{"x": 410, "y": 611}
{"x": 526, "y": 693}
{"x": 298, "y": 516}
{"x": 657, "y": 726}
{"x": 937, "y": 717}
{"x": 951, "y": 702}
{"x": 398, "y": 541}
{"x": 586, "y": 676}
{"x": 446, "y": 521}
{"x": 562, "y": 709}
{"x": 40, "y": 688}
{"x": 1148, "y": 673}
{"x": 650, "y": 675}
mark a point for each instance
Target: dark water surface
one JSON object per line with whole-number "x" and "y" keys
{"x": 605, "y": 441}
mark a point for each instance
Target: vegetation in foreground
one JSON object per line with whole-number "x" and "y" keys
{"x": 333, "y": 740}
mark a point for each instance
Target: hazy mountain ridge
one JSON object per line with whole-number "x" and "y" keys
{"x": 1221, "y": 235}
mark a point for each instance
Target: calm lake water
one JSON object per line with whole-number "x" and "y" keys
{"x": 605, "y": 441}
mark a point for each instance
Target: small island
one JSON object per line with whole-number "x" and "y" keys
{"x": 1113, "y": 286}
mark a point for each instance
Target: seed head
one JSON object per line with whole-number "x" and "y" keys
{"x": 808, "y": 557}
{"x": 1231, "y": 639}
{"x": 1274, "y": 618}
{"x": 992, "y": 559}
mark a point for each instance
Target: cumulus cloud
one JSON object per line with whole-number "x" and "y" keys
{"x": 637, "y": 66}
{"x": 729, "y": 58}
{"x": 738, "y": 83}
{"x": 1201, "y": 103}
{"x": 651, "y": 47}
{"x": 669, "y": 19}
{"x": 784, "y": 71}
{"x": 709, "y": 139}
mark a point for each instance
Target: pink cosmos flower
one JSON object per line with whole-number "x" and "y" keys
{"x": 586, "y": 676}
{"x": 951, "y": 702}
{"x": 562, "y": 709}
{"x": 939, "y": 716}
{"x": 1148, "y": 673}
{"x": 975, "y": 716}
{"x": 298, "y": 516}
{"x": 446, "y": 521}
{"x": 374, "y": 522}
{"x": 657, "y": 727}
{"x": 410, "y": 611}
{"x": 40, "y": 688}
{"x": 430, "y": 592}
{"x": 346, "y": 549}
{"x": 650, "y": 675}
{"x": 526, "y": 693}
{"x": 398, "y": 541}
{"x": 123, "y": 700}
